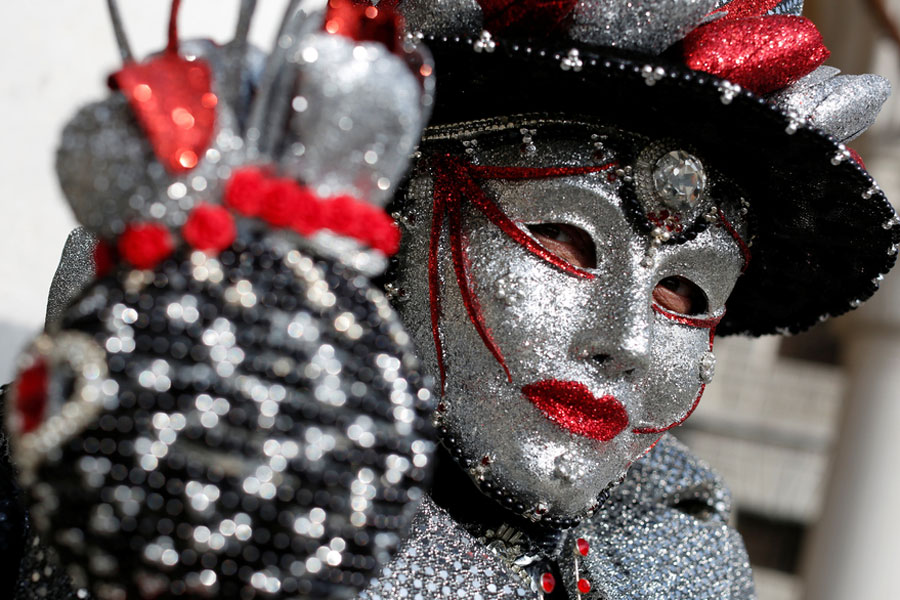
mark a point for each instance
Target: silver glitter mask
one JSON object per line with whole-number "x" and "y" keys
{"x": 557, "y": 376}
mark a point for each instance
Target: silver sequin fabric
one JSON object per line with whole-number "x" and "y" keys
{"x": 842, "y": 105}
{"x": 662, "y": 535}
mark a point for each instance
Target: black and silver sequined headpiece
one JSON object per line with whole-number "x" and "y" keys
{"x": 741, "y": 83}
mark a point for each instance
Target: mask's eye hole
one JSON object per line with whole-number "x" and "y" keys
{"x": 572, "y": 244}
{"x": 680, "y": 295}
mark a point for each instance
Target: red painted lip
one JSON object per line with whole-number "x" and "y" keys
{"x": 573, "y": 407}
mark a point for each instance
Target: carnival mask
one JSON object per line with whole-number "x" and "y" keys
{"x": 563, "y": 285}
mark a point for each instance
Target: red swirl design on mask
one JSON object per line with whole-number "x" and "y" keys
{"x": 455, "y": 182}
{"x": 574, "y": 408}
{"x": 712, "y": 336}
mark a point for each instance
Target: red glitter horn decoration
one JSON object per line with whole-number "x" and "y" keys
{"x": 456, "y": 183}
{"x": 763, "y": 54}
{"x": 172, "y": 100}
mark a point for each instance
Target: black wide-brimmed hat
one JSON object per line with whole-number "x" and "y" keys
{"x": 767, "y": 116}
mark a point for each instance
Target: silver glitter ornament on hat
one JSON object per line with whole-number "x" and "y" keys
{"x": 645, "y": 25}
{"x": 843, "y": 105}
{"x": 356, "y": 114}
{"x": 442, "y": 17}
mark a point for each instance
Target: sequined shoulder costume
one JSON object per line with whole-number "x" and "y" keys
{"x": 663, "y": 534}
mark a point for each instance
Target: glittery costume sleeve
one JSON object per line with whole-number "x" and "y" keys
{"x": 663, "y": 533}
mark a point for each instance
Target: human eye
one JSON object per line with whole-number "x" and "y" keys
{"x": 680, "y": 295}
{"x": 572, "y": 244}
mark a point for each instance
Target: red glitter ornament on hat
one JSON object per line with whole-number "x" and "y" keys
{"x": 763, "y": 54}
{"x": 145, "y": 245}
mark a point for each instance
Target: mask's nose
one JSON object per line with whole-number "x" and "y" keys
{"x": 615, "y": 335}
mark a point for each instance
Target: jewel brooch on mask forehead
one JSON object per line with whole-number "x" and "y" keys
{"x": 673, "y": 192}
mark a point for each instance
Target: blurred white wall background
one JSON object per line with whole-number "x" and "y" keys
{"x": 55, "y": 56}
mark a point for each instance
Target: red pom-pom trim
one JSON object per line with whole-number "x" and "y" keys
{"x": 245, "y": 190}
{"x": 209, "y": 228}
{"x": 284, "y": 203}
{"x": 145, "y": 245}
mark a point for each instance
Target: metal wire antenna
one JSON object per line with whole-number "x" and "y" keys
{"x": 263, "y": 111}
{"x": 237, "y": 54}
{"x": 119, "y": 30}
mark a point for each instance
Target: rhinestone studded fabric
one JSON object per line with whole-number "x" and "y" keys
{"x": 663, "y": 533}
{"x": 263, "y": 431}
{"x": 75, "y": 271}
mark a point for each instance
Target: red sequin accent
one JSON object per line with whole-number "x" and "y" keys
{"x": 737, "y": 9}
{"x": 145, "y": 245}
{"x": 526, "y": 17}
{"x": 103, "y": 259}
{"x": 548, "y": 582}
{"x": 712, "y": 336}
{"x": 461, "y": 268}
{"x": 763, "y": 54}
{"x": 209, "y": 228}
{"x": 172, "y": 100}
{"x": 685, "y": 320}
{"x": 584, "y": 586}
{"x": 364, "y": 22}
{"x": 582, "y": 546}
{"x": 455, "y": 183}
{"x": 31, "y": 395}
{"x": 856, "y": 157}
{"x": 576, "y": 409}
{"x": 745, "y": 249}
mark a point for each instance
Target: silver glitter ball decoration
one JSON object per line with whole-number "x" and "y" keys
{"x": 843, "y": 105}
{"x": 679, "y": 179}
{"x": 356, "y": 115}
{"x": 107, "y": 168}
{"x": 643, "y": 25}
